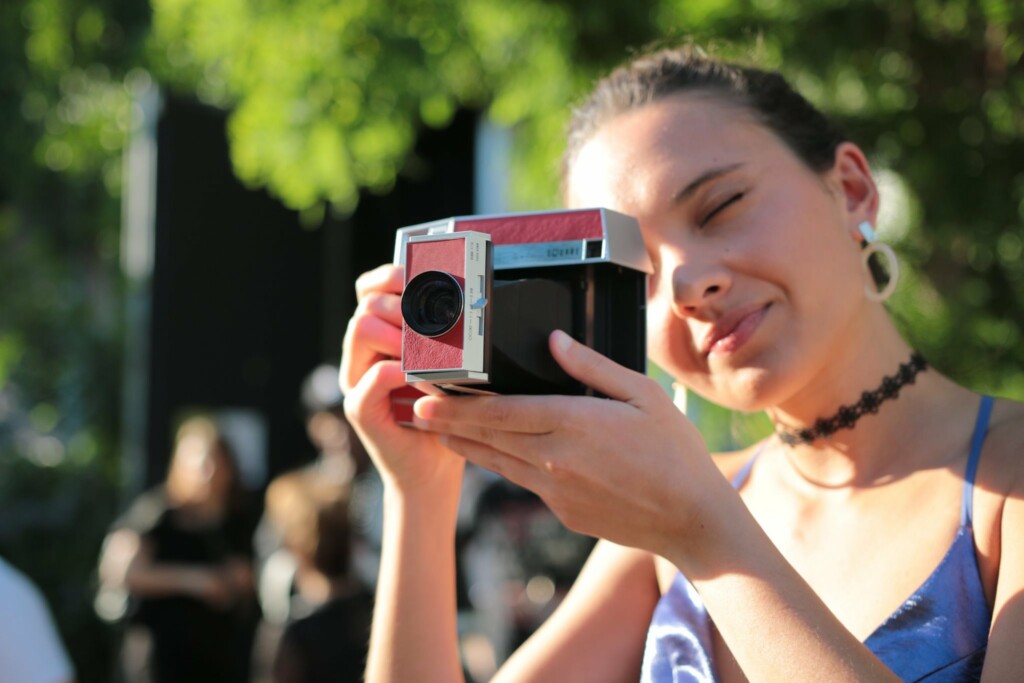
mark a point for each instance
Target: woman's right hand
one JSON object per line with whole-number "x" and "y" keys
{"x": 407, "y": 458}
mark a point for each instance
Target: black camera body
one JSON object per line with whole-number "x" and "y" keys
{"x": 483, "y": 293}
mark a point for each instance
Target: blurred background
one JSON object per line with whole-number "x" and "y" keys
{"x": 189, "y": 187}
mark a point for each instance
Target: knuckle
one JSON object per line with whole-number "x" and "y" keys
{"x": 374, "y": 373}
{"x": 374, "y": 302}
{"x": 352, "y": 405}
{"x": 497, "y": 412}
{"x": 557, "y": 468}
{"x": 590, "y": 362}
{"x": 495, "y": 465}
{"x": 361, "y": 326}
{"x": 569, "y": 520}
{"x": 363, "y": 307}
{"x": 382, "y": 278}
{"x": 486, "y": 435}
{"x": 647, "y": 390}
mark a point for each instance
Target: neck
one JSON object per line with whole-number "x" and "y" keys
{"x": 878, "y": 445}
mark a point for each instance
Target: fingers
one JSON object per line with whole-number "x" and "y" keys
{"x": 370, "y": 398}
{"x": 599, "y": 372}
{"x": 380, "y": 305}
{"x": 374, "y": 332}
{"x": 386, "y": 278}
{"x": 367, "y": 340}
{"x": 525, "y": 414}
{"x": 528, "y": 447}
{"x": 501, "y": 463}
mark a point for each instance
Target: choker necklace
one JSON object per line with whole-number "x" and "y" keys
{"x": 847, "y": 416}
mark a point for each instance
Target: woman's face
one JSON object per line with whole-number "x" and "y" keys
{"x": 757, "y": 280}
{"x": 200, "y": 470}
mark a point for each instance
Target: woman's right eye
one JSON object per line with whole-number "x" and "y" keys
{"x": 720, "y": 208}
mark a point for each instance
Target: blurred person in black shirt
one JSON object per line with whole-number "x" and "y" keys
{"x": 183, "y": 554}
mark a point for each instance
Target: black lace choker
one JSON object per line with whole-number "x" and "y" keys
{"x": 847, "y": 416}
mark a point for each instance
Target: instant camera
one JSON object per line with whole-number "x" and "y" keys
{"x": 482, "y": 294}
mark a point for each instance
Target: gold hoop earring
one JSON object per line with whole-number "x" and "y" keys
{"x": 872, "y": 245}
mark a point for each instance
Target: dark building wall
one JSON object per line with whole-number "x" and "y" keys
{"x": 236, "y": 294}
{"x": 244, "y": 300}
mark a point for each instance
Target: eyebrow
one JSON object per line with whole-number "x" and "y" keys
{"x": 703, "y": 178}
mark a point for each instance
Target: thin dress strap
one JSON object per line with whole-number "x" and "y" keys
{"x": 980, "y": 430}
{"x": 740, "y": 477}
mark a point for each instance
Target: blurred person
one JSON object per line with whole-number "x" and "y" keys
{"x": 338, "y": 459}
{"x": 330, "y": 643}
{"x": 31, "y": 650}
{"x": 183, "y": 554}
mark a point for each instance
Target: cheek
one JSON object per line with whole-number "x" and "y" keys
{"x": 669, "y": 343}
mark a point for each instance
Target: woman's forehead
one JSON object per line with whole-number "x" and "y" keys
{"x": 663, "y": 144}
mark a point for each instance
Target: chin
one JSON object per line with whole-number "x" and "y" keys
{"x": 747, "y": 390}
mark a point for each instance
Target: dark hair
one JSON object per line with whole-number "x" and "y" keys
{"x": 655, "y": 76}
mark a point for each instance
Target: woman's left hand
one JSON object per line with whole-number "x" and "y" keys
{"x": 630, "y": 468}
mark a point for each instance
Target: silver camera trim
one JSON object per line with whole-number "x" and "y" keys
{"x": 621, "y": 242}
{"x": 473, "y": 313}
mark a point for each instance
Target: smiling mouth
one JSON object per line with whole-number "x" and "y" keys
{"x": 733, "y": 332}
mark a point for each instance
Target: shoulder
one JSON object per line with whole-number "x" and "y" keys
{"x": 999, "y": 487}
{"x": 1003, "y": 454}
{"x": 30, "y": 648}
{"x": 730, "y": 463}
{"x": 17, "y": 591}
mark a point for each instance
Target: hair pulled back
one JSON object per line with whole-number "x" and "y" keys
{"x": 658, "y": 75}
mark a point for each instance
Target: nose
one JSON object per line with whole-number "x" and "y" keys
{"x": 696, "y": 285}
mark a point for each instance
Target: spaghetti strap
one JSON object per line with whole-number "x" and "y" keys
{"x": 980, "y": 430}
{"x": 741, "y": 476}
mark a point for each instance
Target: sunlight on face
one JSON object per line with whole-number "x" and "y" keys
{"x": 757, "y": 280}
{"x": 199, "y": 469}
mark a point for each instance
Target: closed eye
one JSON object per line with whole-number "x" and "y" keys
{"x": 721, "y": 207}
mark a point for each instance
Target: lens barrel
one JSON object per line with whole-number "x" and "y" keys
{"x": 432, "y": 303}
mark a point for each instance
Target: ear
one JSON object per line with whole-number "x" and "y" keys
{"x": 851, "y": 176}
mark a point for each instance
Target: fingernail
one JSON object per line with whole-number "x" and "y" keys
{"x": 561, "y": 340}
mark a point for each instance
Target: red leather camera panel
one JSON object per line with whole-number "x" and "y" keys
{"x": 555, "y": 226}
{"x": 444, "y": 352}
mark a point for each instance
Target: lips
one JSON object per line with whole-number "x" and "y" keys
{"x": 732, "y": 330}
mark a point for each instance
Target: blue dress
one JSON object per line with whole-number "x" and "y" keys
{"x": 939, "y": 634}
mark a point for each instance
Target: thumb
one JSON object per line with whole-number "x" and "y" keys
{"x": 596, "y": 371}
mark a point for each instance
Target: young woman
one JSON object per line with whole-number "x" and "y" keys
{"x": 877, "y": 536}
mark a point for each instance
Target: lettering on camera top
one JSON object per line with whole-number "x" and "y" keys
{"x": 573, "y": 251}
{"x": 537, "y": 253}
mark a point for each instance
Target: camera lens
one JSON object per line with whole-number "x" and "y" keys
{"x": 432, "y": 303}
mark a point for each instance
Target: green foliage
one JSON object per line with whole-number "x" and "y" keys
{"x": 65, "y": 114}
{"x": 327, "y": 100}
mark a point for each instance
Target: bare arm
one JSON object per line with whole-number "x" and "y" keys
{"x": 749, "y": 589}
{"x": 414, "y": 635}
{"x": 634, "y": 471}
{"x": 597, "y": 633}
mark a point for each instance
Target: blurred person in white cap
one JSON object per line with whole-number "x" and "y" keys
{"x": 340, "y": 461}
